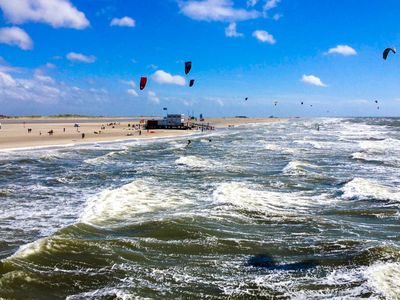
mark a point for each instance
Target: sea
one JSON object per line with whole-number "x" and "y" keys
{"x": 298, "y": 209}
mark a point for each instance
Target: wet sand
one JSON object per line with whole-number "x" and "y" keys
{"x": 14, "y": 132}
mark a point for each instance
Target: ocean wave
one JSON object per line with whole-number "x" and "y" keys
{"x": 126, "y": 203}
{"x": 380, "y": 146}
{"x": 297, "y": 167}
{"x": 365, "y": 156}
{"x": 105, "y": 293}
{"x": 101, "y": 159}
{"x": 385, "y": 279}
{"x": 364, "y": 189}
{"x": 197, "y": 162}
{"x": 253, "y": 198}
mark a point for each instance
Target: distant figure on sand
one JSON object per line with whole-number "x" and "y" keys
{"x": 83, "y": 135}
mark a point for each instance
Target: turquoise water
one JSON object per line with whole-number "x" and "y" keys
{"x": 276, "y": 210}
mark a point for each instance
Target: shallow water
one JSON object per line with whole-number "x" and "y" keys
{"x": 262, "y": 211}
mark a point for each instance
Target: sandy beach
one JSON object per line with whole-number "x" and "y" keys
{"x": 34, "y": 132}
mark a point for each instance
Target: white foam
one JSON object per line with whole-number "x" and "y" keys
{"x": 388, "y": 144}
{"x": 128, "y": 202}
{"x": 385, "y": 279}
{"x": 360, "y": 188}
{"x": 35, "y": 247}
{"x": 364, "y": 156}
{"x": 197, "y": 162}
{"x": 101, "y": 159}
{"x": 297, "y": 167}
{"x": 254, "y": 198}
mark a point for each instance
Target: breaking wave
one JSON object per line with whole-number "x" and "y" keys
{"x": 364, "y": 189}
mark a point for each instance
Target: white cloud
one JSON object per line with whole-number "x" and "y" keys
{"x": 216, "y": 10}
{"x": 152, "y": 96}
{"x": 152, "y": 66}
{"x": 44, "y": 78}
{"x": 37, "y": 89}
{"x": 252, "y": 2}
{"x": 270, "y": 4}
{"x": 7, "y": 68}
{"x": 57, "y": 13}
{"x": 313, "y": 80}
{"x": 7, "y": 80}
{"x": 72, "y": 56}
{"x": 15, "y": 36}
{"x": 123, "y": 22}
{"x": 231, "y": 31}
{"x": 132, "y": 92}
{"x": 342, "y": 50}
{"x": 264, "y": 37}
{"x": 219, "y": 102}
{"x": 50, "y": 66}
{"x": 163, "y": 77}
{"x": 131, "y": 83}
{"x": 277, "y": 17}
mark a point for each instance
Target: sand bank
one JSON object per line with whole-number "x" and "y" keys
{"x": 14, "y": 133}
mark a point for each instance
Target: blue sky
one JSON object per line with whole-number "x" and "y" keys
{"x": 86, "y": 57}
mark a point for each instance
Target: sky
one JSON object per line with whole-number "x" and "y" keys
{"x": 87, "y": 57}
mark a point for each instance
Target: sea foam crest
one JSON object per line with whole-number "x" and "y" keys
{"x": 385, "y": 279}
{"x": 196, "y": 162}
{"x": 361, "y": 189}
{"x": 124, "y": 204}
{"x": 297, "y": 167}
{"x": 253, "y": 198}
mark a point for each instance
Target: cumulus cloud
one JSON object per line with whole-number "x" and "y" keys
{"x": 264, "y": 37}
{"x": 57, "y": 13}
{"x": 252, "y": 2}
{"x": 123, "y": 22}
{"x": 15, "y": 36}
{"x": 152, "y": 96}
{"x": 43, "y": 78}
{"x": 231, "y": 31}
{"x": 79, "y": 57}
{"x": 39, "y": 89}
{"x": 132, "y": 92}
{"x": 163, "y": 77}
{"x": 270, "y": 4}
{"x": 7, "y": 80}
{"x": 313, "y": 80}
{"x": 216, "y": 10}
{"x": 131, "y": 83}
{"x": 342, "y": 50}
{"x": 7, "y": 68}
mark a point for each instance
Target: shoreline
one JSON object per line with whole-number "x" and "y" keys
{"x": 15, "y": 137}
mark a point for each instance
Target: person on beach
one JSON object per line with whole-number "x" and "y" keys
{"x": 83, "y": 135}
